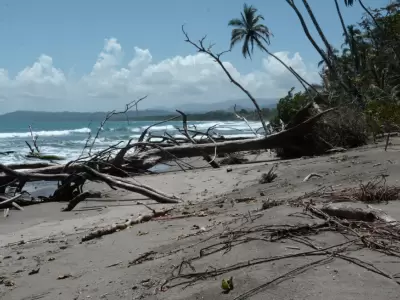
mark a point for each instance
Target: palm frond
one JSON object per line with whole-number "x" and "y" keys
{"x": 260, "y": 45}
{"x": 245, "y": 47}
{"x": 257, "y": 19}
{"x": 249, "y": 30}
{"x": 264, "y": 37}
{"x": 249, "y": 12}
{"x": 236, "y": 22}
{"x": 349, "y": 2}
{"x": 237, "y": 35}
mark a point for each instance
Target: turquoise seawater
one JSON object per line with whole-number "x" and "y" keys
{"x": 68, "y": 139}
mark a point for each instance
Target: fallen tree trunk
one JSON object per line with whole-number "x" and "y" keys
{"x": 30, "y": 166}
{"x": 151, "y": 157}
{"x": 32, "y": 176}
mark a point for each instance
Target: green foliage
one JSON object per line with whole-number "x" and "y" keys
{"x": 370, "y": 65}
{"x": 382, "y": 116}
{"x": 288, "y": 107}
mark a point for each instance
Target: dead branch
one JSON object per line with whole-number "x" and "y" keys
{"x": 143, "y": 190}
{"x": 206, "y": 157}
{"x": 34, "y": 141}
{"x": 121, "y": 226}
{"x": 128, "y": 106}
{"x": 119, "y": 158}
{"x": 216, "y": 56}
{"x": 245, "y": 120}
{"x": 374, "y": 191}
{"x": 149, "y": 255}
{"x": 75, "y": 201}
{"x": 4, "y": 204}
{"x": 17, "y": 206}
{"x": 307, "y": 178}
{"x": 285, "y": 276}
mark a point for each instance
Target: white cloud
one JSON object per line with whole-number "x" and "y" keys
{"x": 110, "y": 84}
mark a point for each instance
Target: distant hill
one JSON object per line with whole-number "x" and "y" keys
{"x": 35, "y": 116}
{"x": 189, "y": 108}
{"x": 226, "y": 105}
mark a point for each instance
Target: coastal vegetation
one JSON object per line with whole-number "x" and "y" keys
{"x": 361, "y": 78}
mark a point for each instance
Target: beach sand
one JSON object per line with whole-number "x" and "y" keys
{"x": 45, "y": 239}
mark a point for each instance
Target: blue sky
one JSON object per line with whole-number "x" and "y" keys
{"x": 72, "y": 32}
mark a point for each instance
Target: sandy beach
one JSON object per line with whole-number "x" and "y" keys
{"x": 42, "y": 256}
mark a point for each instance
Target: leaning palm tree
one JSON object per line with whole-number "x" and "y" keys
{"x": 346, "y": 34}
{"x": 248, "y": 28}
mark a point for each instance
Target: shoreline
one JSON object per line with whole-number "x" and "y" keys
{"x": 214, "y": 201}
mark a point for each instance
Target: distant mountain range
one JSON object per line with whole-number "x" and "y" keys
{"x": 226, "y": 105}
{"x": 65, "y": 116}
{"x": 34, "y": 116}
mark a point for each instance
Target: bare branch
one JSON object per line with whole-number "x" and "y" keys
{"x": 200, "y": 48}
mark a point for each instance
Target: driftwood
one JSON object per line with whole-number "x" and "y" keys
{"x": 16, "y": 206}
{"x": 140, "y": 189}
{"x": 277, "y": 140}
{"x": 205, "y": 155}
{"x": 75, "y": 182}
{"x": 121, "y": 226}
{"x": 368, "y": 214}
{"x": 5, "y": 203}
{"x": 112, "y": 164}
{"x": 309, "y": 176}
{"x": 75, "y": 201}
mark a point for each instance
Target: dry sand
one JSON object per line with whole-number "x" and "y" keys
{"x": 42, "y": 237}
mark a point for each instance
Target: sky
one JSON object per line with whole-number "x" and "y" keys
{"x": 98, "y": 55}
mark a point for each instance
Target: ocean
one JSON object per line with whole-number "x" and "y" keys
{"x": 67, "y": 139}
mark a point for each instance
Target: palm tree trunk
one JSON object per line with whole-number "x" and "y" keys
{"x": 370, "y": 14}
{"x": 291, "y": 70}
{"x": 310, "y": 38}
{"x": 319, "y": 29}
{"x": 324, "y": 56}
{"x": 349, "y": 39}
{"x": 346, "y": 33}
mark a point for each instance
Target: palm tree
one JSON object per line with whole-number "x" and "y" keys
{"x": 346, "y": 34}
{"x": 351, "y": 2}
{"x": 318, "y": 28}
{"x": 309, "y": 36}
{"x": 248, "y": 28}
